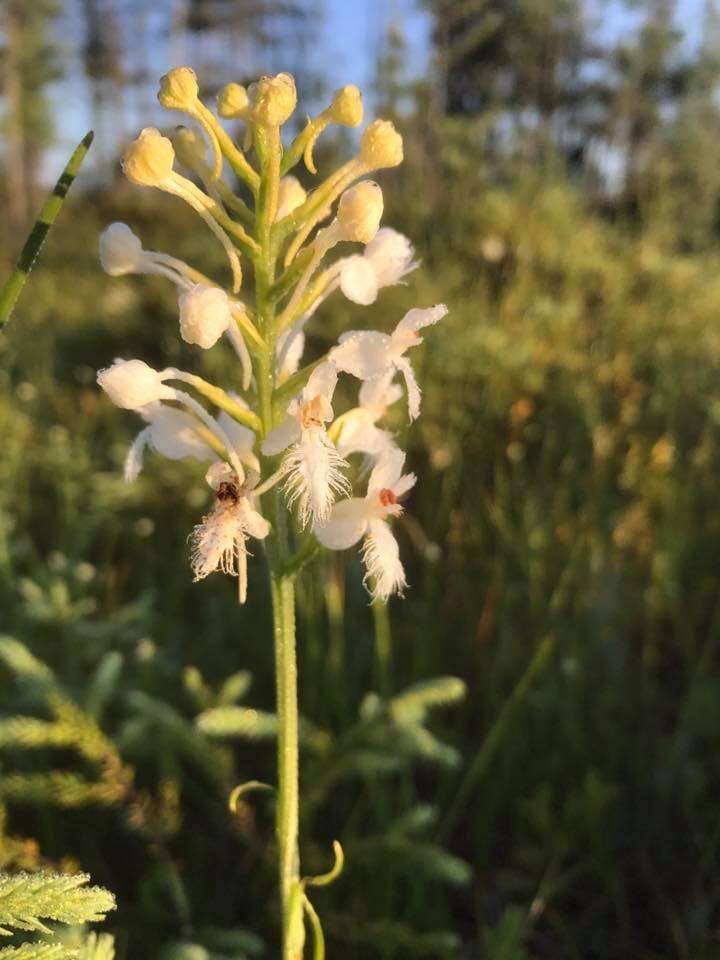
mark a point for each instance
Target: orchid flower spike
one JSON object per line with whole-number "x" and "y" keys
{"x": 356, "y": 430}
{"x": 385, "y": 261}
{"x": 351, "y": 520}
{"x": 175, "y": 434}
{"x": 219, "y": 542}
{"x": 312, "y": 466}
{"x": 369, "y": 354}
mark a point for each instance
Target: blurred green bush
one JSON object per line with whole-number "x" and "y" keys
{"x": 568, "y": 463}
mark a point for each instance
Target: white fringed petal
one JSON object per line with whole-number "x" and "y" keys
{"x": 381, "y": 556}
{"x": 313, "y": 476}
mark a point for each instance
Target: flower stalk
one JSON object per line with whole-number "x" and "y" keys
{"x": 285, "y": 473}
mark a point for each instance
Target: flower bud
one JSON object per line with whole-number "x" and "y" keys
{"x": 232, "y": 101}
{"x": 204, "y": 315}
{"x": 132, "y": 383}
{"x": 381, "y": 145}
{"x": 179, "y": 89}
{"x": 148, "y": 161}
{"x": 346, "y": 107}
{"x": 273, "y": 99}
{"x": 360, "y": 210}
{"x": 121, "y": 251}
{"x": 190, "y": 148}
{"x": 290, "y": 195}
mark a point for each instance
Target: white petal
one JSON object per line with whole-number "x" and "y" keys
{"x": 387, "y": 471}
{"x": 134, "y": 458}
{"x": 347, "y": 523}
{"x": 416, "y": 319}
{"x": 322, "y": 382}
{"x": 242, "y": 438}
{"x": 173, "y": 434}
{"x": 413, "y": 389}
{"x": 358, "y": 280}
{"x": 364, "y": 354}
{"x": 381, "y": 556}
{"x": 381, "y": 392}
{"x": 391, "y": 254}
{"x": 281, "y": 437}
{"x": 255, "y": 524}
{"x": 405, "y": 483}
{"x": 358, "y": 434}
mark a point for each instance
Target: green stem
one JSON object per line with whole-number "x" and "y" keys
{"x": 288, "y": 803}
{"x": 383, "y": 647}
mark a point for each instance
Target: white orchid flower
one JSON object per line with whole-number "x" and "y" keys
{"x": 366, "y": 517}
{"x": 133, "y": 384}
{"x": 219, "y": 543}
{"x": 312, "y": 466}
{"x": 369, "y": 354}
{"x": 356, "y": 430}
{"x": 175, "y": 434}
{"x": 385, "y": 261}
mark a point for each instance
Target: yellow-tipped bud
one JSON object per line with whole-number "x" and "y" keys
{"x": 148, "y": 161}
{"x": 179, "y": 89}
{"x": 190, "y": 148}
{"x": 233, "y": 102}
{"x": 381, "y": 145}
{"x": 273, "y": 99}
{"x": 360, "y": 210}
{"x": 347, "y": 107}
{"x": 290, "y": 195}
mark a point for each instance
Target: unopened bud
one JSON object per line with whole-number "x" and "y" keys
{"x": 381, "y": 146}
{"x": 273, "y": 99}
{"x": 179, "y": 89}
{"x": 290, "y": 195}
{"x": 360, "y": 210}
{"x": 190, "y": 148}
{"x": 204, "y": 315}
{"x": 347, "y": 108}
{"x": 233, "y": 102}
{"x": 121, "y": 251}
{"x": 148, "y": 161}
{"x": 132, "y": 383}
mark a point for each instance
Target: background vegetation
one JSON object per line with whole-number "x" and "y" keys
{"x": 563, "y": 544}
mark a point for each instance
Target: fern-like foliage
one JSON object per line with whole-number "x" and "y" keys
{"x": 27, "y": 899}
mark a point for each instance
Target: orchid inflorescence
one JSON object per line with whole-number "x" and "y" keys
{"x": 280, "y": 428}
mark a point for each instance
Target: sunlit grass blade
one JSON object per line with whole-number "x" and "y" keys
{"x": 50, "y": 209}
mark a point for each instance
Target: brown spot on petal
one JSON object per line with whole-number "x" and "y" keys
{"x": 387, "y": 498}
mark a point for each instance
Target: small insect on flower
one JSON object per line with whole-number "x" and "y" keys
{"x": 219, "y": 542}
